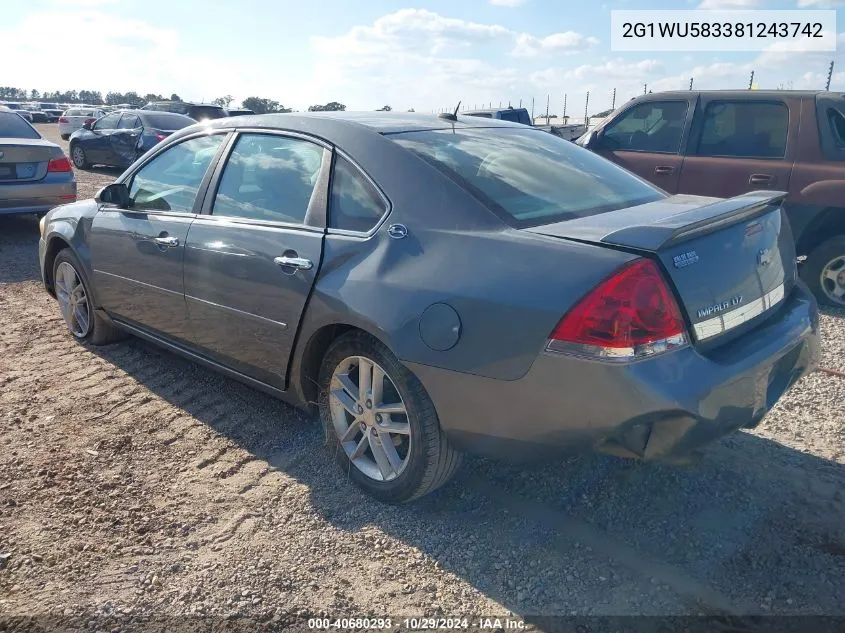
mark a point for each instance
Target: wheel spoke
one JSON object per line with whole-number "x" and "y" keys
{"x": 830, "y": 273}
{"x": 390, "y": 451}
{"x": 377, "y": 384}
{"x": 346, "y": 400}
{"x": 348, "y": 386}
{"x": 388, "y": 409}
{"x": 838, "y": 291}
{"x": 350, "y": 432}
{"x": 361, "y": 448}
{"x": 400, "y": 428}
{"x": 365, "y": 378}
{"x": 380, "y": 456}
{"x": 81, "y": 317}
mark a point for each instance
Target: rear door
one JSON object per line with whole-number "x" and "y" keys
{"x": 124, "y": 139}
{"x": 647, "y": 139}
{"x": 137, "y": 252}
{"x": 98, "y": 145}
{"x": 740, "y": 145}
{"x": 252, "y": 257}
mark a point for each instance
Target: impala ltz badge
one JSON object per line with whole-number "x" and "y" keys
{"x": 724, "y": 306}
{"x": 685, "y": 259}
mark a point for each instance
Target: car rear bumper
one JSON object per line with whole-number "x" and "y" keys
{"x": 37, "y": 197}
{"x": 656, "y": 408}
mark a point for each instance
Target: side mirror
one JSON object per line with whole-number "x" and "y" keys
{"x": 116, "y": 194}
{"x": 590, "y": 140}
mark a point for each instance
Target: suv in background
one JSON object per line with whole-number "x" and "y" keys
{"x": 197, "y": 111}
{"x": 728, "y": 142}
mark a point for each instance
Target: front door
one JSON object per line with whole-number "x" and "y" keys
{"x": 124, "y": 139}
{"x": 137, "y": 252}
{"x": 740, "y": 146}
{"x": 252, "y": 257}
{"x": 646, "y": 139}
{"x": 98, "y": 145}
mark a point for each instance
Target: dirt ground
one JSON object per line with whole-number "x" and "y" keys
{"x": 135, "y": 484}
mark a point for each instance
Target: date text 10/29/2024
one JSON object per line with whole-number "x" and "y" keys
{"x": 417, "y": 624}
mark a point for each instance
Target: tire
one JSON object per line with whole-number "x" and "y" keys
{"x": 77, "y": 155}
{"x": 429, "y": 460}
{"x": 65, "y": 137}
{"x": 830, "y": 256}
{"x": 94, "y": 329}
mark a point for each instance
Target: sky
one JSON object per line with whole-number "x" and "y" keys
{"x": 421, "y": 54}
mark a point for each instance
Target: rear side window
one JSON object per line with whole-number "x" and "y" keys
{"x": 201, "y": 113}
{"x": 167, "y": 121}
{"x": 129, "y": 122}
{"x": 269, "y": 178}
{"x": 14, "y": 126}
{"x": 744, "y": 129}
{"x": 108, "y": 122}
{"x": 529, "y": 177}
{"x": 355, "y": 204}
{"x": 654, "y": 126}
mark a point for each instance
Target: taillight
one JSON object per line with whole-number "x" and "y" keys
{"x": 160, "y": 137}
{"x": 62, "y": 119}
{"x": 629, "y": 315}
{"x": 59, "y": 164}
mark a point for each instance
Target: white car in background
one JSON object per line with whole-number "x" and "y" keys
{"x": 74, "y": 118}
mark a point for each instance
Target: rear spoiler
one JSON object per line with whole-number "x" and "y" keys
{"x": 695, "y": 222}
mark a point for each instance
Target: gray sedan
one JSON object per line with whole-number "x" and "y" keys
{"x": 35, "y": 174}
{"x": 442, "y": 284}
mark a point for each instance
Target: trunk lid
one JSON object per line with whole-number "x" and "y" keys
{"x": 730, "y": 261}
{"x": 23, "y": 160}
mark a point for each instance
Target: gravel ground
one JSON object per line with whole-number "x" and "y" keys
{"x": 135, "y": 483}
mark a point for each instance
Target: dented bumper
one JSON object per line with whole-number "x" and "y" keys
{"x": 662, "y": 407}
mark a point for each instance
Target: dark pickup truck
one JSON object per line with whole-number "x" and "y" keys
{"x": 520, "y": 115}
{"x": 728, "y": 142}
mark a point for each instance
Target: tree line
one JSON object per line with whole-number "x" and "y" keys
{"x": 259, "y": 105}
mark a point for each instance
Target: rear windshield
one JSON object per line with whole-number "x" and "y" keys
{"x": 166, "y": 121}
{"x": 13, "y": 126}
{"x": 207, "y": 112}
{"x": 529, "y": 177}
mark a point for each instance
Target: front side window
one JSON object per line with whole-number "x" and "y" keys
{"x": 654, "y": 126}
{"x": 269, "y": 178}
{"x": 108, "y": 122}
{"x": 129, "y": 122}
{"x": 355, "y": 205}
{"x": 171, "y": 180}
{"x": 746, "y": 129}
{"x": 529, "y": 177}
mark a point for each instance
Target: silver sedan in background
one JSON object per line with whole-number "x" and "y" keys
{"x": 35, "y": 174}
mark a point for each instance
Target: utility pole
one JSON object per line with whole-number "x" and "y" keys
{"x": 829, "y": 75}
{"x": 520, "y": 103}
{"x": 690, "y": 83}
{"x": 547, "y": 108}
{"x": 645, "y": 87}
{"x": 751, "y": 81}
{"x": 586, "y": 107}
{"x": 564, "y": 107}
{"x": 532, "y": 110}
{"x": 613, "y": 101}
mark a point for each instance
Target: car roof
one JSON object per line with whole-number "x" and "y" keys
{"x": 738, "y": 93}
{"x": 379, "y": 122}
{"x": 191, "y": 103}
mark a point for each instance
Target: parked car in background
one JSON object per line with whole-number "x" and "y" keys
{"x": 521, "y": 115}
{"x": 75, "y": 118}
{"x": 35, "y": 174}
{"x": 495, "y": 313}
{"x": 53, "y": 116}
{"x": 729, "y": 142}
{"x": 197, "y": 111}
{"x": 239, "y": 111}
{"x": 119, "y": 138}
{"x": 18, "y": 108}
{"x": 37, "y": 115}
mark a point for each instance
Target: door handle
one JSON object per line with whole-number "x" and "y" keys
{"x": 300, "y": 263}
{"x": 664, "y": 169}
{"x": 760, "y": 179}
{"x": 169, "y": 241}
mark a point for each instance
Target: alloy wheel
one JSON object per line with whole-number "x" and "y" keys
{"x": 78, "y": 156}
{"x": 73, "y": 300}
{"x": 833, "y": 280}
{"x": 370, "y": 418}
